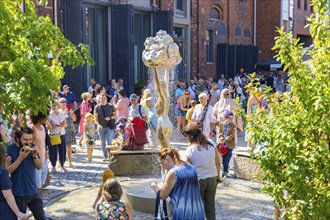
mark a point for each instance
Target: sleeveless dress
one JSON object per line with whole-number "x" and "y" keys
{"x": 185, "y": 195}
{"x": 90, "y": 130}
{"x": 70, "y": 137}
{"x": 111, "y": 211}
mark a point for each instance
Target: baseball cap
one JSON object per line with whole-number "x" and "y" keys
{"x": 120, "y": 127}
{"x": 229, "y": 114}
{"x": 66, "y": 87}
{"x": 133, "y": 96}
{"x": 121, "y": 119}
{"x": 61, "y": 100}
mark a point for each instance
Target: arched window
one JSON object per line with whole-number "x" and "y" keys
{"x": 215, "y": 14}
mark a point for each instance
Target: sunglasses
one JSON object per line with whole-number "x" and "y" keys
{"x": 225, "y": 94}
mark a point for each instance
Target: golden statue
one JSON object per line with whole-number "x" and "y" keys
{"x": 161, "y": 54}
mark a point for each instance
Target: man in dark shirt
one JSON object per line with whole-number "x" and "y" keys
{"x": 105, "y": 115}
{"x": 70, "y": 97}
{"x": 25, "y": 160}
{"x": 270, "y": 81}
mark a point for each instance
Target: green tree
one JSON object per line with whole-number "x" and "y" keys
{"x": 294, "y": 137}
{"x": 26, "y": 72}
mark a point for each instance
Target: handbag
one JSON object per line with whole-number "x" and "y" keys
{"x": 199, "y": 123}
{"x": 160, "y": 208}
{"x": 55, "y": 139}
{"x": 222, "y": 149}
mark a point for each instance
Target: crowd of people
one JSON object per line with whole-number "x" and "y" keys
{"x": 206, "y": 116}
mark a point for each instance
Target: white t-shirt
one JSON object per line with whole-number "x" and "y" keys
{"x": 203, "y": 160}
{"x": 57, "y": 119}
{"x": 197, "y": 115}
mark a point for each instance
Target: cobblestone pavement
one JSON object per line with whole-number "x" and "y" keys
{"x": 70, "y": 195}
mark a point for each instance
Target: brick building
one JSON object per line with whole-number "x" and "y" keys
{"x": 302, "y": 10}
{"x": 215, "y": 36}
{"x": 222, "y": 39}
{"x": 291, "y": 14}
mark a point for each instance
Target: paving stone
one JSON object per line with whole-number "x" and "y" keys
{"x": 70, "y": 195}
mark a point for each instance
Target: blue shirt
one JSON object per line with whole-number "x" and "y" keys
{"x": 5, "y": 183}
{"x": 70, "y": 97}
{"x": 24, "y": 177}
{"x": 179, "y": 92}
{"x": 152, "y": 118}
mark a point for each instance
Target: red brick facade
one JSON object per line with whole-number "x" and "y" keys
{"x": 268, "y": 19}
{"x": 300, "y": 18}
{"x": 235, "y": 14}
{"x": 48, "y": 10}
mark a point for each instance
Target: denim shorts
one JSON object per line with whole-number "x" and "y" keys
{"x": 180, "y": 113}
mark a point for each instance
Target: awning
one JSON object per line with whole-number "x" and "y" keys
{"x": 268, "y": 65}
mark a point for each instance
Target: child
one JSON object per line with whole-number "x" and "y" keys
{"x": 152, "y": 123}
{"x": 190, "y": 111}
{"x": 89, "y": 135}
{"x": 116, "y": 144}
{"x": 111, "y": 206}
{"x": 227, "y": 133}
{"x": 107, "y": 174}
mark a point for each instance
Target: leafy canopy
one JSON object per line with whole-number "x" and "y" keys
{"x": 27, "y": 74}
{"x": 295, "y": 136}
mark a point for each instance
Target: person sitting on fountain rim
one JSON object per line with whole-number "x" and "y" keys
{"x": 118, "y": 143}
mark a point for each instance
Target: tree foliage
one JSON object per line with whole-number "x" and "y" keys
{"x": 294, "y": 137}
{"x": 27, "y": 74}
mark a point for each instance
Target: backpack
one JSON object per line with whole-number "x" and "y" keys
{"x": 139, "y": 135}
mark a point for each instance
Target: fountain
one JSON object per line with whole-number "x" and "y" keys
{"x": 161, "y": 55}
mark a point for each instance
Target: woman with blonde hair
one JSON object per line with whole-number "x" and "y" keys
{"x": 145, "y": 96}
{"x": 107, "y": 174}
{"x": 181, "y": 185}
{"x": 85, "y": 107}
{"x": 111, "y": 206}
{"x": 182, "y": 106}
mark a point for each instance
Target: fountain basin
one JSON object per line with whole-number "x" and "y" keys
{"x": 138, "y": 162}
{"x": 139, "y": 194}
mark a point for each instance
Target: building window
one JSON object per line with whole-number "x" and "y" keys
{"x": 141, "y": 30}
{"x": 243, "y": 1}
{"x": 312, "y": 9}
{"x": 246, "y": 32}
{"x": 181, "y": 8}
{"x": 179, "y": 5}
{"x": 215, "y": 14}
{"x": 95, "y": 36}
{"x": 299, "y": 6}
{"x": 237, "y": 31}
{"x": 305, "y": 5}
{"x": 209, "y": 46}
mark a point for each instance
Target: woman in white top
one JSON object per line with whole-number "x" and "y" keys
{"x": 203, "y": 116}
{"x": 203, "y": 155}
{"x": 58, "y": 123}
